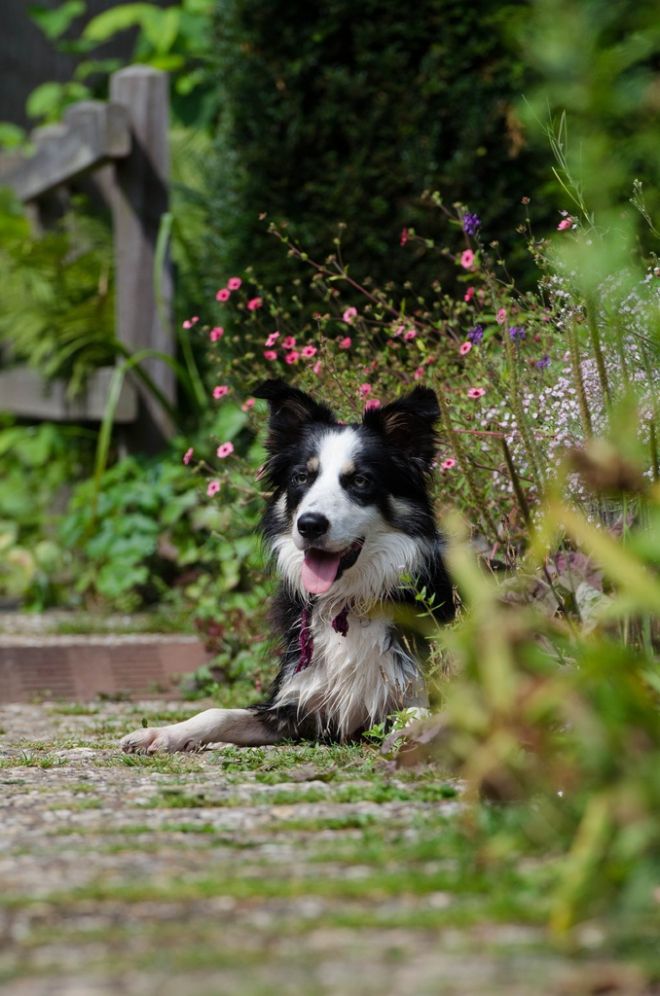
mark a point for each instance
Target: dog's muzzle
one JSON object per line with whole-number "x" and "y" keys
{"x": 321, "y": 568}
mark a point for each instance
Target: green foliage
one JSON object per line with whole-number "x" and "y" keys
{"x": 349, "y": 114}
{"x": 54, "y": 23}
{"x": 598, "y": 63}
{"x": 38, "y": 463}
{"x": 57, "y": 306}
{"x": 175, "y": 38}
{"x": 11, "y": 136}
{"x": 48, "y": 101}
{"x": 146, "y": 531}
{"x": 566, "y": 714}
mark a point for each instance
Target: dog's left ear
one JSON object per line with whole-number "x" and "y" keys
{"x": 290, "y": 410}
{"x": 409, "y": 424}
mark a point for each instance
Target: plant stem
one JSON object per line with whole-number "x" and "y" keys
{"x": 521, "y": 418}
{"x": 585, "y": 414}
{"x": 479, "y": 498}
{"x": 594, "y": 334}
{"x": 515, "y": 480}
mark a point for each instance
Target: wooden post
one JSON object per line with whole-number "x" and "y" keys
{"x": 144, "y": 298}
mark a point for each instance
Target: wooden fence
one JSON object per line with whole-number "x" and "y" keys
{"x": 122, "y": 147}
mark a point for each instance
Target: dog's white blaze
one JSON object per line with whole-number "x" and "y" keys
{"x": 348, "y": 521}
{"x": 356, "y": 680}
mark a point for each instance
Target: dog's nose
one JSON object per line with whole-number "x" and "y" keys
{"x": 311, "y": 525}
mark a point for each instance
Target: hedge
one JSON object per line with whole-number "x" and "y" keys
{"x": 348, "y": 112}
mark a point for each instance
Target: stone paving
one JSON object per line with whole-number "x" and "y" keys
{"x": 255, "y": 872}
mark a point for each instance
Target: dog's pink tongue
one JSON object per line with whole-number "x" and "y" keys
{"x": 319, "y": 570}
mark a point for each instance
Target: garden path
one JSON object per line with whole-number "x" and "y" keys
{"x": 286, "y": 870}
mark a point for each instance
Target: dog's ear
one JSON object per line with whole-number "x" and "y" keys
{"x": 290, "y": 410}
{"x": 408, "y": 424}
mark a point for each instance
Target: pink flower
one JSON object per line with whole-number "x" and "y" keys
{"x": 467, "y": 259}
{"x": 318, "y": 366}
{"x": 349, "y": 315}
{"x": 247, "y": 404}
{"x": 270, "y": 354}
{"x": 345, "y": 343}
{"x": 500, "y": 317}
{"x": 465, "y": 348}
{"x": 234, "y": 283}
{"x": 308, "y": 351}
{"x": 371, "y": 404}
{"x": 399, "y": 330}
{"x": 365, "y": 389}
{"x": 469, "y": 294}
{"x": 188, "y": 455}
{"x": 448, "y": 463}
{"x": 224, "y": 450}
{"x": 565, "y": 223}
{"x": 254, "y": 303}
{"x": 223, "y": 294}
{"x": 288, "y": 342}
{"x": 216, "y": 333}
{"x": 213, "y": 488}
{"x": 409, "y": 335}
{"x": 189, "y": 322}
{"x": 476, "y": 392}
{"x": 404, "y": 237}
{"x": 292, "y": 357}
{"x": 419, "y": 373}
{"x": 272, "y": 339}
{"x": 220, "y": 391}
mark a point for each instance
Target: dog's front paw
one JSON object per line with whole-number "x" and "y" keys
{"x": 168, "y": 739}
{"x": 139, "y": 741}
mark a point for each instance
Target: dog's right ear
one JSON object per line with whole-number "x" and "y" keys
{"x": 290, "y": 411}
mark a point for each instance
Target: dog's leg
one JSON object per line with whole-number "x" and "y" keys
{"x": 232, "y": 726}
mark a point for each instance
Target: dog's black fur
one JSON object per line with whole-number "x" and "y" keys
{"x": 344, "y": 663}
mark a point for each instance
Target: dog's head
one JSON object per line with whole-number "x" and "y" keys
{"x": 350, "y": 510}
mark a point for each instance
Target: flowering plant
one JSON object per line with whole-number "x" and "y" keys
{"x": 521, "y": 376}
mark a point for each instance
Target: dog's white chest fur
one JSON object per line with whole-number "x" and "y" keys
{"x": 356, "y": 680}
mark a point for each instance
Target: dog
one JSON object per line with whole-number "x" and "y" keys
{"x": 350, "y": 526}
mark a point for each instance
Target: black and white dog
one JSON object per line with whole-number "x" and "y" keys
{"x": 349, "y": 517}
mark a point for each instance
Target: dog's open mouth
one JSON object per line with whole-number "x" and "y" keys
{"x": 321, "y": 568}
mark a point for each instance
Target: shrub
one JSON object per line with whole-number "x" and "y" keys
{"x": 349, "y": 113}
{"x": 57, "y": 306}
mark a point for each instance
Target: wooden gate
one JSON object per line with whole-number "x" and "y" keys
{"x": 123, "y": 145}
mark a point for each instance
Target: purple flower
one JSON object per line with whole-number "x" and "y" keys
{"x": 517, "y": 333}
{"x": 542, "y": 363}
{"x": 471, "y": 223}
{"x": 475, "y": 335}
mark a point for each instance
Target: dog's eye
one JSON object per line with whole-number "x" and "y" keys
{"x": 300, "y": 477}
{"x": 360, "y": 481}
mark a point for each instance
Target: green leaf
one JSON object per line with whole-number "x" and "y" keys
{"x": 229, "y": 421}
{"x": 54, "y": 23}
{"x": 93, "y": 67}
{"x": 161, "y": 31}
{"x": 11, "y": 136}
{"x": 119, "y": 18}
{"x": 49, "y": 100}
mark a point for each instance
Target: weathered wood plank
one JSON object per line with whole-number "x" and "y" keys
{"x": 143, "y": 296}
{"x": 23, "y": 392}
{"x": 91, "y": 134}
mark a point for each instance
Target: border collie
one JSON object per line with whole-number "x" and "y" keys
{"x": 351, "y": 528}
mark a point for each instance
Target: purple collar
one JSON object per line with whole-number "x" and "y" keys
{"x": 305, "y": 639}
